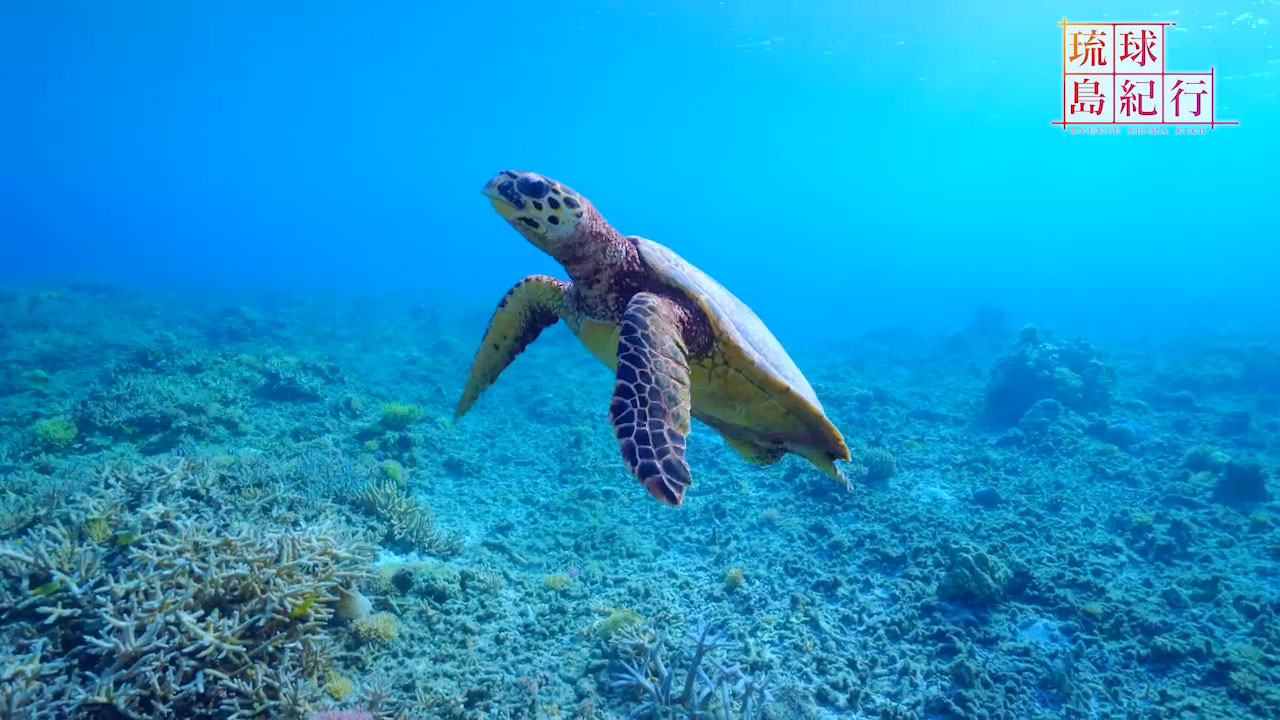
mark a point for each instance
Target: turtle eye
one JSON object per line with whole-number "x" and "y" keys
{"x": 535, "y": 189}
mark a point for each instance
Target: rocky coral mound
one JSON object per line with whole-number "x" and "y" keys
{"x": 1242, "y": 482}
{"x": 1072, "y": 373}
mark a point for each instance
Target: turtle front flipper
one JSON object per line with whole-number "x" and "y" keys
{"x": 534, "y": 304}
{"x": 650, "y": 407}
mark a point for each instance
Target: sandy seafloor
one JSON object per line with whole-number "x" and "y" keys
{"x": 214, "y": 510}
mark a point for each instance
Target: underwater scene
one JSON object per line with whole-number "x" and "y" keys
{"x": 700, "y": 360}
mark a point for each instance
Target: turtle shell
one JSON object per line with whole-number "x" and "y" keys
{"x": 748, "y": 380}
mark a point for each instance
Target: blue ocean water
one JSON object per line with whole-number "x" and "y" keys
{"x": 897, "y": 158}
{"x": 245, "y": 263}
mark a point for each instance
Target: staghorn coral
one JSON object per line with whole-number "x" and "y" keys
{"x": 409, "y": 521}
{"x": 290, "y": 379}
{"x": 158, "y": 408}
{"x": 341, "y": 715}
{"x": 316, "y": 469}
{"x": 16, "y": 511}
{"x": 707, "y": 688}
{"x": 198, "y": 616}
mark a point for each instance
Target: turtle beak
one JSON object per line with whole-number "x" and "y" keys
{"x": 502, "y": 193}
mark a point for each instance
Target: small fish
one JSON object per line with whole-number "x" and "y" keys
{"x": 305, "y": 605}
{"x": 38, "y": 377}
{"x": 48, "y": 588}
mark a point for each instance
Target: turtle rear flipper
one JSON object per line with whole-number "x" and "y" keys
{"x": 755, "y": 453}
{"x": 825, "y": 461}
{"x": 529, "y": 307}
{"x": 651, "y": 399}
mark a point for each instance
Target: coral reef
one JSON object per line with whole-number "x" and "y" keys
{"x": 182, "y": 614}
{"x": 160, "y": 401}
{"x": 291, "y": 379}
{"x": 234, "y": 521}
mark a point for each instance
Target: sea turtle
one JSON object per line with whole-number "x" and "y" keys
{"x": 679, "y": 343}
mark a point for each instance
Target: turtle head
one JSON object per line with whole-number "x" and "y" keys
{"x": 546, "y": 212}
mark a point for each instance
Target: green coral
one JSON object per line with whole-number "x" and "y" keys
{"x": 557, "y": 582}
{"x": 379, "y": 628}
{"x": 339, "y": 687}
{"x": 616, "y": 620}
{"x": 879, "y": 463}
{"x": 55, "y": 433}
{"x": 98, "y": 530}
{"x": 1205, "y": 458}
{"x": 398, "y": 416}
{"x": 393, "y": 471}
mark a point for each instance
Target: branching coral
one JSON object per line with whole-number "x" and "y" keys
{"x": 16, "y": 511}
{"x": 196, "y": 616}
{"x": 290, "y": 379}
{"x": 157, "y": 408}
{"x": 409, "y": 521}
{"x": 707, "y": 688}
